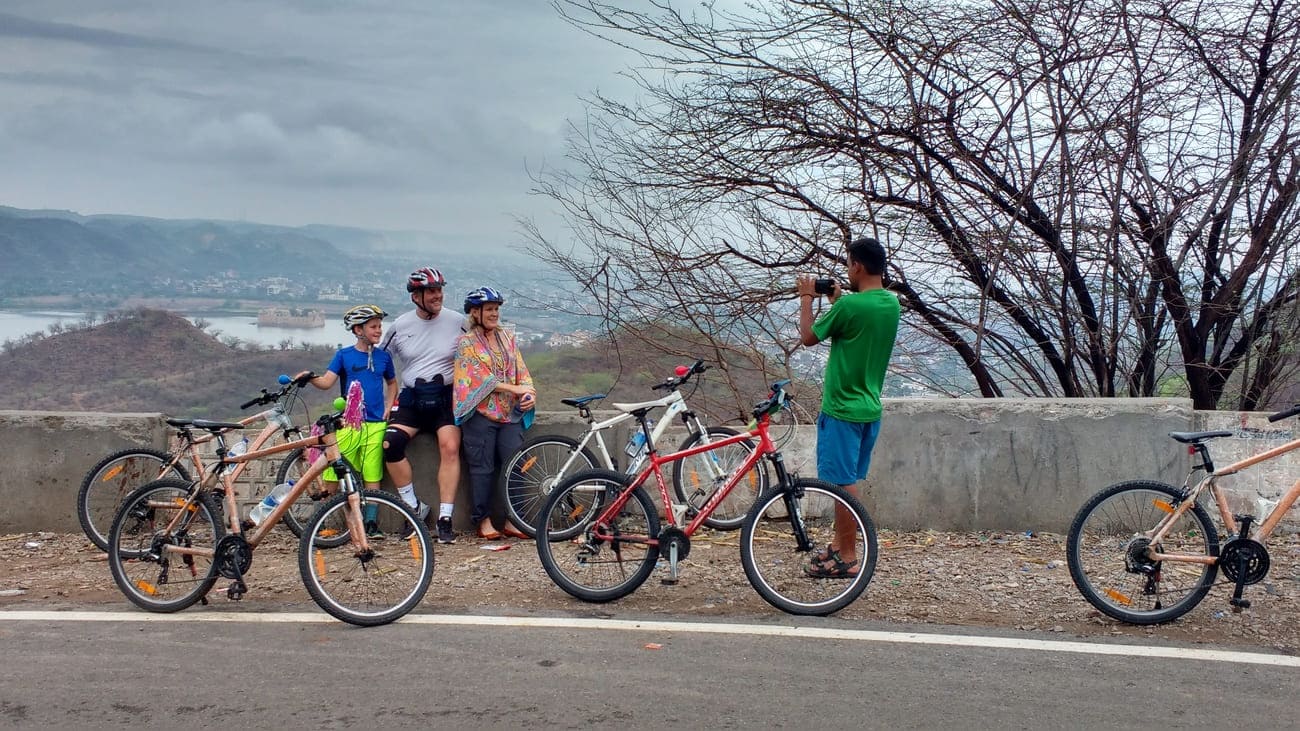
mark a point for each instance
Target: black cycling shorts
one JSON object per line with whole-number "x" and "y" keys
{"x": 408, "y": 412}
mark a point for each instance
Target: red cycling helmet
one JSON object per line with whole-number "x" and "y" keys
{"x": 425, "y": 278}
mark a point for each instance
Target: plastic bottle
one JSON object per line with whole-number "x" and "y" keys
{"x": 1263, "y": 507}
{"x": 636, "y": 441}
{"x": 238, "y": 448}
{"x": 270, "y": 502}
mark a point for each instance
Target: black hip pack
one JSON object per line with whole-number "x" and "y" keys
{"x": 430, "y": 394}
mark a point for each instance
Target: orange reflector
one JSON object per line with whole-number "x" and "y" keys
{"x": 146, "y": 587}
{"x": 752, "y": 476}
{"x": 320, "y": 563}
{"x": 327, "y": 533}
{"x": 527, "y": 465}
{"x": 695, "y": 478}
{"x": 180, "y": 503}
{"x": 573, "y": 514}
{"x": 1163, "y": 505}
{"x": 113, "y": 473}
{"x": 1120, "y": 597}
{"x": 415, "y": 548}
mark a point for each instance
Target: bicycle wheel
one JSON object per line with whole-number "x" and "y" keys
{"x": 292, "y": 468}
{"x": 778, "y": 564}
{"x": 1106, "y": 550}
{"x": 141, "y": 560}
{"x": 111, "y": 479}
{"x": 371, "y": 587}
{"x": 530, "y": 475}
{"x": 584, "y": 564}
{"x": 695, "y": 479}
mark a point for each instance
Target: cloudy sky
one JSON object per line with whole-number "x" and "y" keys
{"x": 395, "y": 114}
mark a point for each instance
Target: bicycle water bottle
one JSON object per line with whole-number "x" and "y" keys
{"x": 240, "y": 447}
{"x": 270, "y": 502}
{"x": 636, "y": 441}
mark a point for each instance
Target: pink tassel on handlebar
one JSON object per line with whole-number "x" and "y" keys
{"x": 314, "y": 452}
{"x": 352, "y": 413}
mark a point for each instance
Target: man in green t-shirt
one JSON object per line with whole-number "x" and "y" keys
{"x": 861, "y": 326}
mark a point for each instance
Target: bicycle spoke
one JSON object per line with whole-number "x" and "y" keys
{"x": 1106, "y": 550}
{"x": 369, "y": 586}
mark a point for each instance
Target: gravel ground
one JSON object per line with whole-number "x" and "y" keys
{"x": 982, "y": 580}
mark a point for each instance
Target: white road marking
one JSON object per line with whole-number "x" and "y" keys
{"x": 629, "y": 625}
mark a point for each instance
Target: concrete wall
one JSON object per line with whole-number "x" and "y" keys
{"x": 44, "y": 456}
{"x": 946, "y": 464}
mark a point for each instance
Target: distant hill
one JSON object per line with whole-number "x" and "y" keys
{"x": 146, "y": 360}
{"x": 149, "y": 360}
{"x": 57, "y": 251}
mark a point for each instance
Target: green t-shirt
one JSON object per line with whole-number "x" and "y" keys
{"x": 861, "y": 327}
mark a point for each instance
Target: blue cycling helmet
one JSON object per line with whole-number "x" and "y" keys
{"x": 482, "y": 296}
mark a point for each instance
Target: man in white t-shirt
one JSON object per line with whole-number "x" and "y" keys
{"x": 423, "y": 340}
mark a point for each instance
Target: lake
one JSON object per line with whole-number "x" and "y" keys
{"x": 16, "y": 324}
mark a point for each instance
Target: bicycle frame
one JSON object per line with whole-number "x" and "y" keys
{"x": 676, "y": 511}
{"x": 675, "y": 403}
{"x": 330, "y": 456}
{"x": 276, "y": 420}
{"x": 1264, "y": 529}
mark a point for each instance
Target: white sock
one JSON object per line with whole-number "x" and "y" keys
{"x": 407, "y": 492}
{"x": 444, "y": 509}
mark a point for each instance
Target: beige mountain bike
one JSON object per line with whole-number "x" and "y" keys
{"x": 172, "y": 541}
{"x": 1146, "y": 552}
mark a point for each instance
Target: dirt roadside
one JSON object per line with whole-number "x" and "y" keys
{"x": 990, "y": 580}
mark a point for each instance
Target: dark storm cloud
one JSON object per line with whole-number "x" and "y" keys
{"x": 26, "y": 28}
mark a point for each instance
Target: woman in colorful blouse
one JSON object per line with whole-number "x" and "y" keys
{"x": 493, "y": 399}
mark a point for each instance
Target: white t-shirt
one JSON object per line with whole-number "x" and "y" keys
{"x": 425, "y": 348}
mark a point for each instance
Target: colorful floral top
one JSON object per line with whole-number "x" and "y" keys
{"x": 478, "y": 370}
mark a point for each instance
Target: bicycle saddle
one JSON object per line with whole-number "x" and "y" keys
{"x": 582, "y": 400}
{"x": 215, "y": 426}
{"x": 178, "y": 423}
{"x": 1196, "y": 437}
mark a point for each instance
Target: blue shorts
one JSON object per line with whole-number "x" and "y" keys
{"x": 844, "y": 449}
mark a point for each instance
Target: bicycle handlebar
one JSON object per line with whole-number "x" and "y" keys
{"x": 684, "y": 375}
{"x": 287, "y": 385}
{"x": 773, "y": 403}
{"x": 1294, "y": 410}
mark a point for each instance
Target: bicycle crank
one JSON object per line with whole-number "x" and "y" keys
{"x": 675, "y": 546}
{"x": 1245, "y": 560}
{"x": 233, "y": 556}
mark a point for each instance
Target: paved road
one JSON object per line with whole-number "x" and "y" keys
{"x": 221, "y": 670}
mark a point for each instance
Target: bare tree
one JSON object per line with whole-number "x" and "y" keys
{"x": 1080, "y": 197}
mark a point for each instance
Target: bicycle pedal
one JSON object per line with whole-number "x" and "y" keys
{"x": 668, "y": 581}
{"x": 1239, "y": 604}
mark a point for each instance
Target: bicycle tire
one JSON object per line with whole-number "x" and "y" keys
{"x": 705, "y": 473}
{"x": 776, "y": 565}
{"x": 111, "y": 480}
{"x": 1102, "y": 545}
{"x": 291, "y": 468}
{"x": 576, "y": 564}
{"x": 142, "y": 573}
{"x": 374, "y": 587}
{"x": 528, "y": 477}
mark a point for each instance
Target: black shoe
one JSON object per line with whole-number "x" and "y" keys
{"x": 445, "y": 533}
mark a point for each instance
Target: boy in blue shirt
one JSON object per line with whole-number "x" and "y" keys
{"x": 372, "y": 368}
